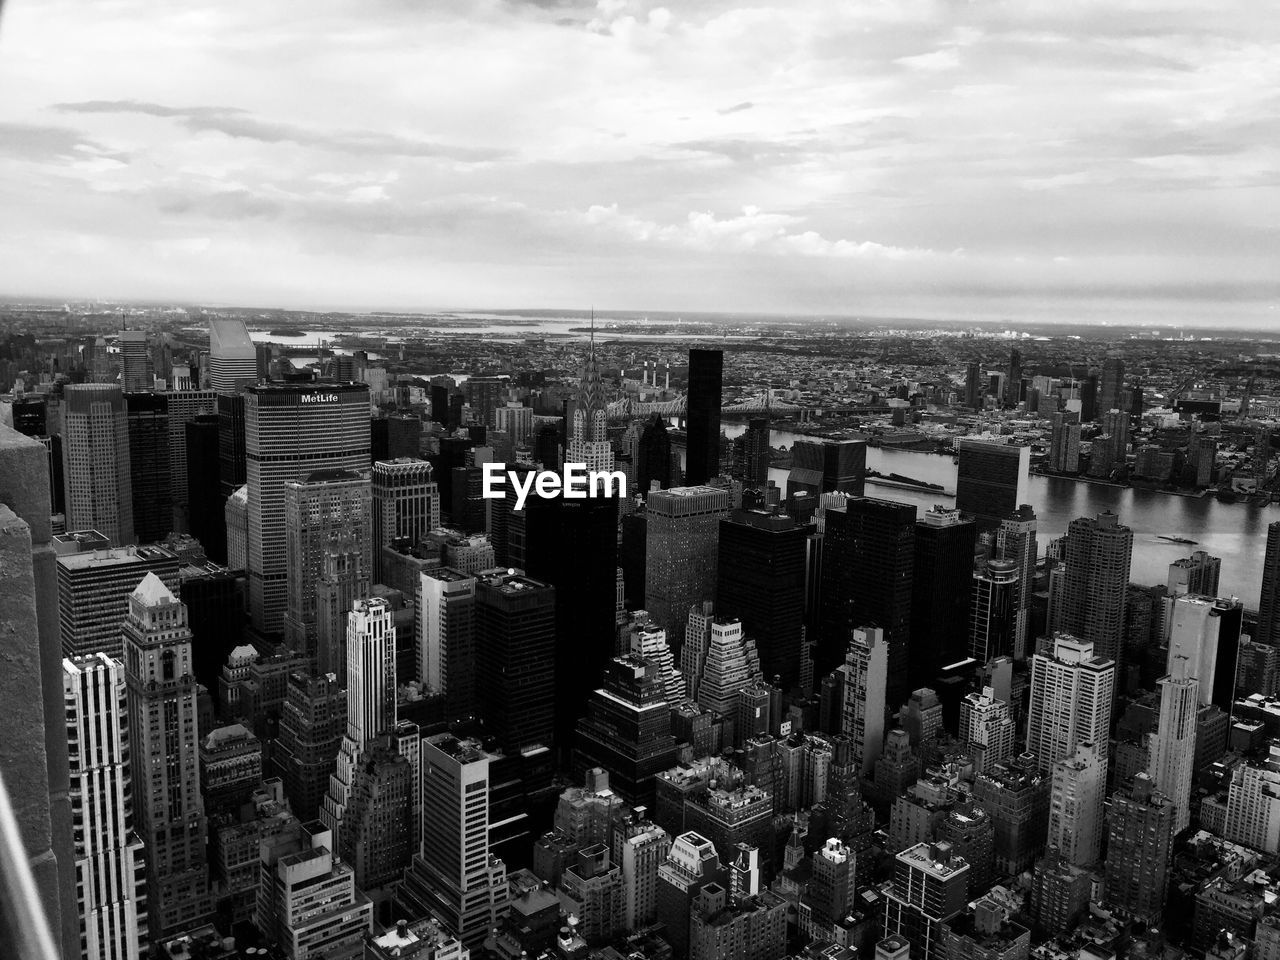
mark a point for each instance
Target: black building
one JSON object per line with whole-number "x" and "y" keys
{"x": 762, "y": 580}
{"x": 828, "y": 466}
{"x": 147, "y": 415}
{"x": 204, "y": 488}
{"x": 216, "y": 604}
{"x": 702, "y": 459}
{"x": 631, "y": 557}
{"x": 653, "y": 456}
{"x": 30, "y": 416}
{"x": 231, "y": 455}
{"x": 751, "y": 454}
{"x": 942, "y": 587}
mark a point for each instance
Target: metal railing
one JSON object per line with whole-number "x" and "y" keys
{"x": 24, "y": 928}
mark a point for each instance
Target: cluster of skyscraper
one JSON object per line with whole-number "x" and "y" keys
{"x": 278, "y": 702}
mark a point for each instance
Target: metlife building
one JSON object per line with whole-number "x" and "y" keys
{"x": 292, "y": 429}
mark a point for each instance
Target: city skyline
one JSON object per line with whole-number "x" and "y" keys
{"x": 1101, "y": 164}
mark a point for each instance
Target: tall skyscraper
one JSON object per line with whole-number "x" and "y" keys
{"x": 973, "y": 385}
{"x": 718, "y": 660}
{"x": 941, "y": 595}
{"x": 993, "y": 611}
{"x": 313, "y": 718}
{"x": 292, "y": 430}
{"x": 1111, "y": 385}
{"x": 868, "y": 562}
{"x": 1089, "y": 601}
{"x": 702, "y": 460}
{"x": 136, "y": 374}
{"x": 1016, "y": 542}
{"x": 1013, "y": 381}
{"x": 406, "y": 503}
{"x": 95, "y": 461}
{"x": 343, "y": 579}
{"x": 110, "y": 866}
{"x": 1269, "y": 600}
{"x": 653, "y": 456}
{"x": 319, "y": 507}
{"x": 454, "y": 877}
{"x": 992, "y": 479}
{"x": 444, "y": 621}
{"x": 1071, "y": 695}
{"x": 1076, "y": 805}
{"x": 150, "y": 476}
{"x": 203, "y": 500}
{"x": 515, "y": 657}
{"x": 753, "y": 466}
{"x": 1173, "y": 746}
{"x": 1197, "y": 575}
{"x": 1206, "y": 633}
{"x": 184, "y": 407}
{"x": 164, "y": 758}
{"x": 1139, "y": 845}
{"x": 588, "y": 438}
{"x": 233, "y": 361}
{"x": 1064, "y": 444}
{"x": 762, "y": 579}
{"x": 986, "y": 729}
{"x": 865, "y": 709}
{"x": 681, "y": 544}
{"x": 828, "y": 466}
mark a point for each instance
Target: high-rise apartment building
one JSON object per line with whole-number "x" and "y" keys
{"x": 164, "y": 757}
{"x": 1016, "y": 795}
{"x": 1076, "y": 798}
{"x": 1196, "y": 575}
{"x": 986, "y": 729}
{"x": 110, "y": 864}
{"x": 1013, "y": 380}
{"x": 1269, "y": 599}
{"x": 150, "y": 475}
{"x": 96, "y": 462}
{"x": 702, "y": 459}
{"x": 1111, "y": 384}
{"x": 444, "y": 621}
{"x": 992, "y": 479}
{"x": 1064, "y": 442}
{"x": 1088, "y": 599}
{"x": 1173, "y": 746}
{"x": 865, "y": 675}
{"x": 930, "y": 887}
{"x": 136, "y": 374}
{"x": 1253, "y": 803}
{"x": 941, "y": 592}
{"x": 639, "y": 846}
{"x": 319, "y": 507}
{"x": 993, "y": 611}
{"x": 973, "y": 386}
{"x": 406, "y": 504}
{"x": 515, "y": 649}
{"x": 1072, "y": 689}
{"x": 682, "y": 546}
{"x": 691, "y": 865}
{"x": 753, "y": 454}
{"x": 868, "y": 563}
{"x": 765, "y": 560}
{"x": 94, "y": 584}
{"x": 291, "y": 431}
{"x": 454, "y": 877}
{"x": 1140, "y": 831}
{"x": 819, "y": 465}
{"x": 1016, "y": 542}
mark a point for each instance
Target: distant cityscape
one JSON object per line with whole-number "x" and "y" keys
{"x": 904, "y": 641}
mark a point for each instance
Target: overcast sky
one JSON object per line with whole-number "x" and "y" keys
{"x": 1030, "y": 159}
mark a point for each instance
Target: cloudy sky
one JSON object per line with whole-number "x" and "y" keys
{"x": 1029, "y": 159}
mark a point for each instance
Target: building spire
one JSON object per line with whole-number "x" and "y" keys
{"x": 592, "y": 350}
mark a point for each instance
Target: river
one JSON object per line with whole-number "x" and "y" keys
{"x": 1236, "y": 532}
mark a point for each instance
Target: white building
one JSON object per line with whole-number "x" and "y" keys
{"x": 1076, "y": 801}
{"x": 1172, "y": 747}
{"x": 1071, "y": 694}
{"x": 866, "y": 679}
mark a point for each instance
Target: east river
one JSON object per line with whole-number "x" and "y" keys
{"x": 1236, "y": 532}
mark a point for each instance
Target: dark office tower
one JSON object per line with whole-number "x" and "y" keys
{"x": 702, "y": 459}
{"x": 682, "y": 537}
{"x": 1140, "y": 825}
{"x": 29, "y": 416}
{"x": 573, "y": 545}
{"x": 317, "y": 508}
{"x": 95, "y": 455}
{"x": 377, "y": 826}
{"x": 507, "y": 531}
{"x": 406, "y": 504}
{"x": 868, "y": 559}
{"x": 515, "y": 638}
{"x": 469, "y": 509}
{"x": 973, "y": 386}
{"x": 342, "y": 580}
{"x": 312, "y": 720}
{"x": 1089, "y": 598}
{"x": 653, "y": 456}
{"x": 233, "y": 359}
{"x": 204, "y": 498}
{"x": 456, "y": 402}
{"x": 992, "y": 479}
{"x": 136, "y": 374}
{"x": 215, "y": 605}
{"x": 828, "y": 466}
{"x": 942, "y": 579}
{"x": 627, "y": 730}
{"x": 1064, "y": 443}
{"x": 164, "y": 758}
{"x": 453, "y": 454}
{"x": 762, "y": 582}
{"x": 755, "y": 454}
{"x": 1016, "y": 542}
{"x": 147, "y": 415}
{"x": 231, "y": 444}
{"x": 1013, "y": 382}
{"x": 631, "y": 557}
{"x": 546, "y": 447}
{"x": 1269, "y": 601}
{"x": 292, "y": 430}
{"x": 184, "y": 406}
{"x": 439, "y": 404}
{"x": 993, "y": 614}
{"x": 379, "y": 439}
{"x": 404, "y": 436}
{"x": 1112, "y": 385}
{"x": 1135, "y": 400}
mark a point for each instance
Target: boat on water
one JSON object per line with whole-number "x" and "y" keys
{"x": 1165, "y": 536}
